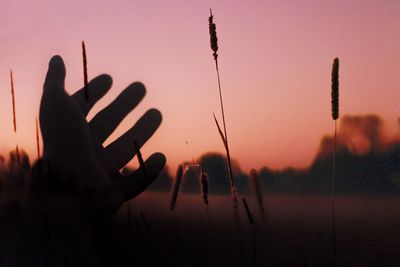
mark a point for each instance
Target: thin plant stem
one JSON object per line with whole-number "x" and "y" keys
{"x": 335, "y": 116}
{"x": 209, "y": 236}
{"x": 224, "y": 136}
{"x": 13, "y": 102}
{"x": 228, "y": 156}
{"x": 253, "y": 231}
{"x": 37, "y": 139}
{"x": 140, "y": 159}
{"x": 333, "y": 194}
{"x": 190, "y": 152}
{"x": 14, "y": 111}
{"x": 85, "y": 72}
{"x": 208, "y": 221}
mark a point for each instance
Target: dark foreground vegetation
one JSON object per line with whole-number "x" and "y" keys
{"x": 295, "y": 230}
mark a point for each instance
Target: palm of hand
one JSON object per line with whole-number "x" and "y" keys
{"x": 74, "y": 146}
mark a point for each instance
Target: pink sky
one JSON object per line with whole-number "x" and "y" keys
{"x": 275, "y": 59}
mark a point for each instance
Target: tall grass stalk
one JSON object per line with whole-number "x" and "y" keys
{"x": 144, "y": 173}
{"x": 14, "y": 112}
{"x": 37, "y": 138}
{"x": 203, "y": 181}
{"x": 204, "y": 186}
{"x": 13, "y": 102}
{"x": 248, "y": 212}
{"x": 257, "y": 189}
{"x": 176, "y": 187}
{"x": 214, "y": 47}
{"x": 140, "y": 159}
{"x": 224, "y": 136}
{"x": 335, "y": 116}
{"x": 175, "y": 240}
{"x": 85, "y": 72}
{"x": 253, "y": 231}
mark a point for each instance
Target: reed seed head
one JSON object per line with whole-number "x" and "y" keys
{"x": 335, "y": 89}
{"x": 213, "y": 35}
{"x": 204, "y": 185}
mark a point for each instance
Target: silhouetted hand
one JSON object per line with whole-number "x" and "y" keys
{"x": 73, "y": 147}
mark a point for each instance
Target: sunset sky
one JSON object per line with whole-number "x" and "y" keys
{"x": 275, "y": 65}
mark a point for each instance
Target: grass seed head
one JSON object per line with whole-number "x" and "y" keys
{"x": 213, "y": 35}
{"x": 204, "y": 185}
{"x": 335, "y": 89}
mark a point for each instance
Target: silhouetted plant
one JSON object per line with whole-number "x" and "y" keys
{"x": 257, "y": 189}
{"x": 248, "y": 212}
{"x": 335, "y": 89}
{"x": 335, "y": 116}
{"x": 253, "y": 230}
{"x": 85, "y": 72}
{"x": 176, "y": 187}
{"x": 203, "y": 179}
{"x": 140, "y": 159}
{"x": 224, "y": 136}
{"x": 204, "y": 185}
{"x": 14, "y": 114}
{"x": 37, "y": 138}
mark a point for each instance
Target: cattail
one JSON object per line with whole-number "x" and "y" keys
{"x": 258, "y": 191}
{"x": 176, "y": 186}
{"x": 37, "y": 139}
{"x": 335, "y": 89}
{"x": 213, "y": 35}
{"x": 140, "y": 158}
{"x": 204, "y": 185}
{"x": 85, "y": 73}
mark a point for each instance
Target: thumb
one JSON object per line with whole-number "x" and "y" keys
{"x": 55, "y": 78}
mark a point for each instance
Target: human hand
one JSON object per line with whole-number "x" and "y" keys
{"x": 73, "y": 147}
